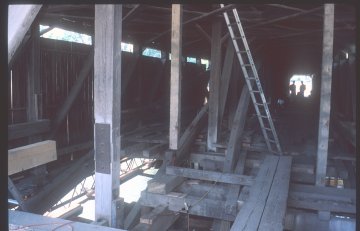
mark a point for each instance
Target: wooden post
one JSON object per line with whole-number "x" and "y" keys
{"x": 214, "y": 86}
{"x": 107, "y": 105}
{"x": 175, "y": 82}
{"x": 33, "y": 77}
{"x": 325, "y": 99}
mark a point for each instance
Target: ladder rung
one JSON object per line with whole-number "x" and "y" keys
{"x": 232, "y": 24}
{"x": 251, "y": 78}
{"x": 262, "y": 116}
{"x": 246, "y": 65}
{"x": 241, "y": 52}
{"x": 255, "y": 91}
{"x": 265, "y": 128}
{"x": 260, "y": 104}
{"x": 272, "y": 141}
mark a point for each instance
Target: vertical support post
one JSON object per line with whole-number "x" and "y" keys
{"x": 214, "y": 86}
{"x": 175, "y": 82}
{"x": 325, "y": 99}
{"x": 107, "y": 105}
{"x": 33, "y": 77}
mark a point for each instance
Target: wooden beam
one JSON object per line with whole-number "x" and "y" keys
{"x": 214, "y": 85}
{"x": 325, "y": 99}
{"x": 217, "y": 11}
{"x": 225, "y": 77}
{"x": 275, "y": 208}
{"x": 74, "y": 92}
{"x": 189, "y": 135}
{"x": 250, "y": 214}
{"x": 33, "y": 79}
{"x": 203, "y": 32}
{"x": 237, "y": 128}
{"x": 32, "y": 155}
{"x": 20, "y": 130}
{"x": 272, "y": 21}
{"x": 107, "y": 110}
{"x": 175, "y": 82}
{"x": 164, "y": 184}
{"x": 196, "y": 206}
{"x": 210, "y": 175}
{"x": 20, "y": 18}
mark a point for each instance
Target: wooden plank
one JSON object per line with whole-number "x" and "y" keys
{"x": 24, "y": 219}
{"x": 107, "y": 110}
{"x": 20, "y": 130}
{"x": 250, "y": 214}
{"x": 325, "y": 99}
{"x": 197, "y": 206}
{"x": 237, "y": 129}
{"x": 214, "y": 86}
{"x": 175, "y": 79}
{"x": 321, "y": 205}
{"x": 275, "y": 208}
{"x": 164, "y": 184}
{"x": 200, "y": 188}
{"x": 326, "y": 193}
{"x": 65, "y": 213}
{"x": 210, "y": 175}
{"x": 30, "y": 156}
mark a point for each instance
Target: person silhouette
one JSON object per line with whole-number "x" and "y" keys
{"x": 292, "y": 89}
{"x": 302, "y": 89}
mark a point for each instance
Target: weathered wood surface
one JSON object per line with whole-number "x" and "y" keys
{"x": 28, "y": 129}
{"x": 22, "y": 220}
{"x": 32, "y": 155}
{"x": 237, "y": 129}
{"x": 210, "y": 175}
{"x": 107, "y": 110}
{"x": 160, "y": 218}
{"x": 197, "y": 206}
{"x": 214, "y": 86}
{"x": 250, "y": 214}
{"x": 164, "y": 184}
{"x": 325, "y": 99}
{"x": 274, "y": 212}
{"x": 175, "y": 77}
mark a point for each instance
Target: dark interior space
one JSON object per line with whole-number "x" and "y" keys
{"x": 198, "y": 108}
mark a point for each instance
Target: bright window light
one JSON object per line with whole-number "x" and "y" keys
{"x": 190, "y": 59}
{"x": 152, "y": 53}
{"x": 127, "y": 47}
{"x": 307, "y": 81}
{"x": 205, "y": 62}
{"x": 65, "y": 35}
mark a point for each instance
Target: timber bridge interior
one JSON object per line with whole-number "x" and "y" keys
{"x": 86, "y": 118}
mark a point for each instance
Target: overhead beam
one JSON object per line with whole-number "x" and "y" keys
{"x": 325, "y": 95}
{"x": 284, "y": 18}
{"x": 176, "y": 75}
{"x": 130, "y": 13}
{"x": 107, "y": 111}
{"x": 217, "y": 11}
{"x": 20, "y": 18}
{"x": 203, "y": 32}
{"x": 214, "y": 86}
{"x": 74, "y": 92}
